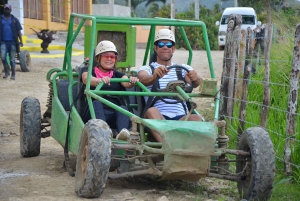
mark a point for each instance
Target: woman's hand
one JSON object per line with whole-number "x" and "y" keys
{"x": 133, "y": 80}
{"x": 106, "y": 80}
{"x": 131, "y": 83}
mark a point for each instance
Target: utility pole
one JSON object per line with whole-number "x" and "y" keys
{"x": 235, "y": 3}
{"x": 197, "y": 9}
{"x": 173, "y": 14}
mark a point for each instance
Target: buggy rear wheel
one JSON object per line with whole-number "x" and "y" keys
{"x": 1, "y": 67}
{"x": 93, "y": 159}
{"x": 25, "y": 61}
{"x": 257, "y": 170}
{"x": 30, "y": 127}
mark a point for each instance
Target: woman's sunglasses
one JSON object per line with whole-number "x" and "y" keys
{"x": 162, "y": 44}
{"x": 107, "y": 56}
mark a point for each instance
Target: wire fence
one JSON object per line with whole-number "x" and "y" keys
{"x": 260, "y": 87}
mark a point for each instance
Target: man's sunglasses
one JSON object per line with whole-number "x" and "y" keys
{"x": 107, "y": 56}
{"x": 162, "y": 44}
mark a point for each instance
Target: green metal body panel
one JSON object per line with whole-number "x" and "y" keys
{"x": 59, "y": 121}
{"x": 200, "y": 129}
{"x": 187, "y": 147}
{"x": 125, "y": 41}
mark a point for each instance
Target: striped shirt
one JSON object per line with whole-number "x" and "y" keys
{"x": 170, "y": 110}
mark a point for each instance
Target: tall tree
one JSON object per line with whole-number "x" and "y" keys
{"x": 259, "y": 5}
{"x": 135, "y": 3}
{"x": 153, "y": 9}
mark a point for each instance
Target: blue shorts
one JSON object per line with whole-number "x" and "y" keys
{"x": 173, "y": 118}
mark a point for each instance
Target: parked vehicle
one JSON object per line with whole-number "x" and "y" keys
{"x": 249, "y": 19}
{"x": 189, "y": 150}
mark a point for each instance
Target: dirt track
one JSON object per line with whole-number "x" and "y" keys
{"x": 43, "y": 178}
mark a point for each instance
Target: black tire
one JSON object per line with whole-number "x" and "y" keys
{"x": 1, "y": 67}
{"x": 221, "y": 48}
{"x": 30, "y": 127}
{"x": 93, "y": 159}
{"x": 259, "y": 170}
{"x": 25, "y": 61}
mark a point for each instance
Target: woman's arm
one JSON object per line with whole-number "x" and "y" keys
{"x": 94, "y": 81}
{"x": 133, "y": 81}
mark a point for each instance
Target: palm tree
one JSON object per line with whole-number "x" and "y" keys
{"x": 135, "y": 3}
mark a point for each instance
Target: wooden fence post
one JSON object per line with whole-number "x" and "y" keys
{"x": 241, "y": 65}
{"x": 292, "y": 104}
{"x": 247, "y": 70}
{"x": 230, "y": 65}
{"x": 266, "y": 98}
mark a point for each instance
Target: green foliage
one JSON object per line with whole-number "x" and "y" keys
{"x": 260, "y": 5}
{"x": 195, "y": 36}
{"x": 153, "y": 9}
{"x": 135, "y": 3}
{"x": 285, "y": 189}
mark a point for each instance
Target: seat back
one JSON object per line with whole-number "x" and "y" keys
{"x": 153, "y": 58}
{"x": 62, "y": 90}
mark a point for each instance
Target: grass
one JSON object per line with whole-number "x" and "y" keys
{"x": 285, "y": 188}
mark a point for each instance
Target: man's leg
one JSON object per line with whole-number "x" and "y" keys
{"x": 12, "y": 57}
{"x": 4, "y": 61}
{"x": 262, "y": 45}
{"x": 154, "y": 113}
{"x": 192, "y": 117}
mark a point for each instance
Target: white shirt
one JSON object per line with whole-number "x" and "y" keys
{"x": 170, "y": 110}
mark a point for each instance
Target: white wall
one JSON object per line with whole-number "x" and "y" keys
{"x": 111, "y": 10}
{"x": 17, "y": 11}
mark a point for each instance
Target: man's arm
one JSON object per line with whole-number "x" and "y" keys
{"x": 193, "y": 77}
{"x": 148, "y": 79}
{"x": 20, "y": 38}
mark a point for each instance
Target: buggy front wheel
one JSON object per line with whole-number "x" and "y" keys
{"x": 257, "y": 170}
{"x": 93, "y": 159}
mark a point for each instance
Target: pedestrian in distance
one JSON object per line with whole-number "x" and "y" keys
{"x": 260, "y": 38}
{"x": 104, "y": 69}
{"x": 164, "y": 48}
{"x": 11, "y": 40}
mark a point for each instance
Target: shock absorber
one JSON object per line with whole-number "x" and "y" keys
{"x": 222, "y": 143}
{"x": 130, "y": 154}
{"x": 47, "y": 113}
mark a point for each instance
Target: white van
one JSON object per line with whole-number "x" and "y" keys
{"x": 249, "y": 19}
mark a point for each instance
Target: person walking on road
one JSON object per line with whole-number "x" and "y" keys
{"x": 10, "y": 32}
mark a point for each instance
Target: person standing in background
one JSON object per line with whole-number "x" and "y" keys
{"x": 10, "y": 34}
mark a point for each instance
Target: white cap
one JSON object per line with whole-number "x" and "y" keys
{"x": 165, "y": 34}
{"x": 105, "y": 46}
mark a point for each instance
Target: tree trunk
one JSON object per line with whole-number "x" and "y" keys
{"x": 292, "y": 104}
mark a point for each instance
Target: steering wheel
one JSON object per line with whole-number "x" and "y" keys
{"x": 171, "y": 86}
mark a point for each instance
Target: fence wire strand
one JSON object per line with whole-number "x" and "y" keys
{"x": 257, "y": 60}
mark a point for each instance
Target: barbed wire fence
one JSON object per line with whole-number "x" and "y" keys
{"x": 242, "y": 58}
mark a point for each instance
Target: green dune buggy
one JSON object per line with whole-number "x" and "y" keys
{"x": 189, "y": 150}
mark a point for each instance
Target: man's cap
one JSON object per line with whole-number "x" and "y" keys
{"x": 7, "y": 6}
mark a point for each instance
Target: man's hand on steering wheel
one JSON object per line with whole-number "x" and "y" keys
{"x": 160, "y": 72}
{"x": 192, "y": 75}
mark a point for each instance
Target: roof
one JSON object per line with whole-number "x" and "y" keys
{"x": 239, "y": 10}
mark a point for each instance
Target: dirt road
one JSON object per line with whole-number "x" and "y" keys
{"x": 44, "y": 178}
